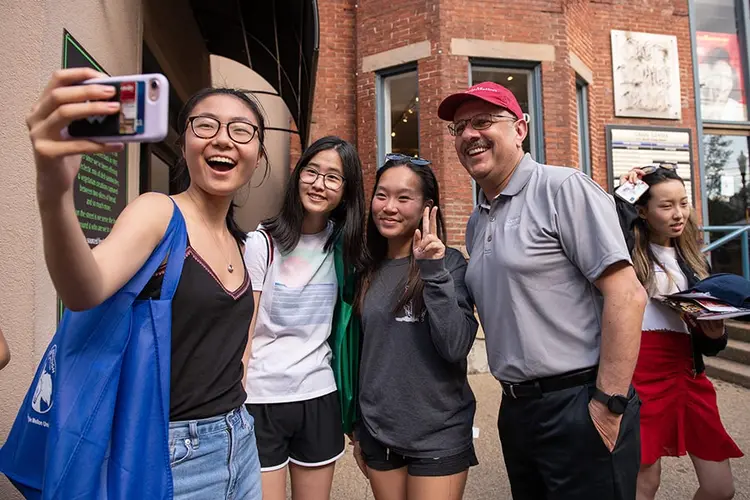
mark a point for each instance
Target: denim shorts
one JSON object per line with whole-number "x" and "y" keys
{"x": 215, "y": 458}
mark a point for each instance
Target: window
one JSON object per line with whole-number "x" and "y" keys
{"x": 722, "y": 66}
{"x": 523, "y": 80}
{"x": 522, "y": 83}
{"x": 721, "y": 52}
{"x": 398, "y": 113}
{"x": 726, "y": 188}
{"x": 582, "y": 104}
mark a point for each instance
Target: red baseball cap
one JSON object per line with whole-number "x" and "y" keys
{"x": 490, "y": 92}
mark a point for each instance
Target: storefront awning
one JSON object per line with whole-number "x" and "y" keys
{"x": 278, "y": 39}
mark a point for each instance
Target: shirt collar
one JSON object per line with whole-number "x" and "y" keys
{"x": 518, "y": 180}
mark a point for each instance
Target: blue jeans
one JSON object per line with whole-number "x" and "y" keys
{"x": 215, "y": 458}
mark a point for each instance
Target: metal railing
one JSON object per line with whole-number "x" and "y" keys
{"x": 734, "y": 232}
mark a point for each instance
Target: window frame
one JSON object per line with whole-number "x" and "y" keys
{"x": 383, "y": 118}
{"x": 533, "y": 69}
{"x": 582, "y": 119}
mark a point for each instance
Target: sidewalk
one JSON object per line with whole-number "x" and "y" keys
{"x": 488, "y": 481}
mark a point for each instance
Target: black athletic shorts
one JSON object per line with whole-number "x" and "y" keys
{"x": 307, "y": 433}
{"x": 378, "y": 457}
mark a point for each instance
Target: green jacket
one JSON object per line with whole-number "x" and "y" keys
{"x": 345, "y": 341}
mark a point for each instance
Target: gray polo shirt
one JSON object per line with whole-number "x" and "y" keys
{"x": 535, "y": 252}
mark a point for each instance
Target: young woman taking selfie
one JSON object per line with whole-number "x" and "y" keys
{"x": 211, "y": 438}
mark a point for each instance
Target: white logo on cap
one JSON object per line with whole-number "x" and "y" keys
{"x": 488, "y": 89}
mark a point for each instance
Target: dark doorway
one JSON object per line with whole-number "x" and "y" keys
{"x": 158, "y": 159}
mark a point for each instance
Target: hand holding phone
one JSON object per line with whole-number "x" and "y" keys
{"x": 66, "y": 100}
{"x": 63, "y": 100}
{"x": 143, "y": 114}
{"x": 631, "y": 192}
{"x": 634, "y": 175}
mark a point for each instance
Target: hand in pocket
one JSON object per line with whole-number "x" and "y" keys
{"x": 607, "y": 423}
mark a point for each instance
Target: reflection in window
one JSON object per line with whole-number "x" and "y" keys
{"x": 726, "y": 177}
{"x": 584, "y": 153}
{"x": 400, "y": 115}
{"x": 720, "y": 62}
{"x": 726, "y": 185}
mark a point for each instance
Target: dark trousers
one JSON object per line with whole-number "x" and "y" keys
{"x": 553, "y": 451}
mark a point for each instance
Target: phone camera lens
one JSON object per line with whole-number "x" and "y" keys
{"x": 154, "y": 90}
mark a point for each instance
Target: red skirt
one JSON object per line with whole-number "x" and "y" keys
{"x": 679, "y": 413}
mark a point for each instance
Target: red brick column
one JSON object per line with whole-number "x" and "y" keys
{"x": 334, "y": 108}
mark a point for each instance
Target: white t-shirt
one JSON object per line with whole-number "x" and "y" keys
{"x": 658, "y": 316}
{"x": 290, "y": 359}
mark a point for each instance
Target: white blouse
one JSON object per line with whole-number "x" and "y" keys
{"x": 658, "y": 316}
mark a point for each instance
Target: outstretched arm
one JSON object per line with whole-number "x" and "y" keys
{"x": 84, "y": 278}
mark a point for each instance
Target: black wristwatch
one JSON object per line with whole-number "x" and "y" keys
{"x": 616, "y": 403}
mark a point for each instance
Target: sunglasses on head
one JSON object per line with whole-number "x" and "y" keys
{"x": 650, "y": 169}
{"x": 416, "y": 160}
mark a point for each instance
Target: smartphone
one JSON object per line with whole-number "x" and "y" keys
{"x": 143, "y": 116}
{"x": 631, "y": 192}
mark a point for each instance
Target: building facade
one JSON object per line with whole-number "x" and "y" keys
{"x": 607, "y": 84}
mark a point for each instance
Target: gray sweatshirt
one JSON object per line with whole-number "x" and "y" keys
{"x": 414, "y": 394}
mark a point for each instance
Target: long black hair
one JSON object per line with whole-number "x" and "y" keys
{"x": 377, "y": 244}
{"x": 348, "y": 217}
{"x": 182, "y": 174}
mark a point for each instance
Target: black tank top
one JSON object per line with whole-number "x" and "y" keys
{"x": 209, "y": 333}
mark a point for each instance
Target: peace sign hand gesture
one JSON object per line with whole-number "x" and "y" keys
{"x": 427, "y": 245}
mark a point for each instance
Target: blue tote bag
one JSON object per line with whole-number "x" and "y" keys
{"x": 95, "y": 421}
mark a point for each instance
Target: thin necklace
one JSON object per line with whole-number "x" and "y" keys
{"x": 230, "y": 268}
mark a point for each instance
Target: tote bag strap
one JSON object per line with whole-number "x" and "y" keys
{"x": 175, "y": 237}
{"x": 177, "y": 248}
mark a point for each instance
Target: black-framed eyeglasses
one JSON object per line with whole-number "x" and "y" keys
{"x": 207, "y": 127}
{"x": 416, "y": 160}
{"x": 309, "y": 175}
{"x": 650, "y": 169}
{"x": 481, "y": 121}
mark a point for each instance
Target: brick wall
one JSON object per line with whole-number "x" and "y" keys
{"x": 345, "y": 97}
{"x": 335, "y": 82}
{"x": 295, "y": 146}
{"x": 669, "y": 17}
{"x": 578, "y": 39}
{"x": 383, "y": 25}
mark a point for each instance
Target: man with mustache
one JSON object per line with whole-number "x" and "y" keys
{"x": 560, "y": 305}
